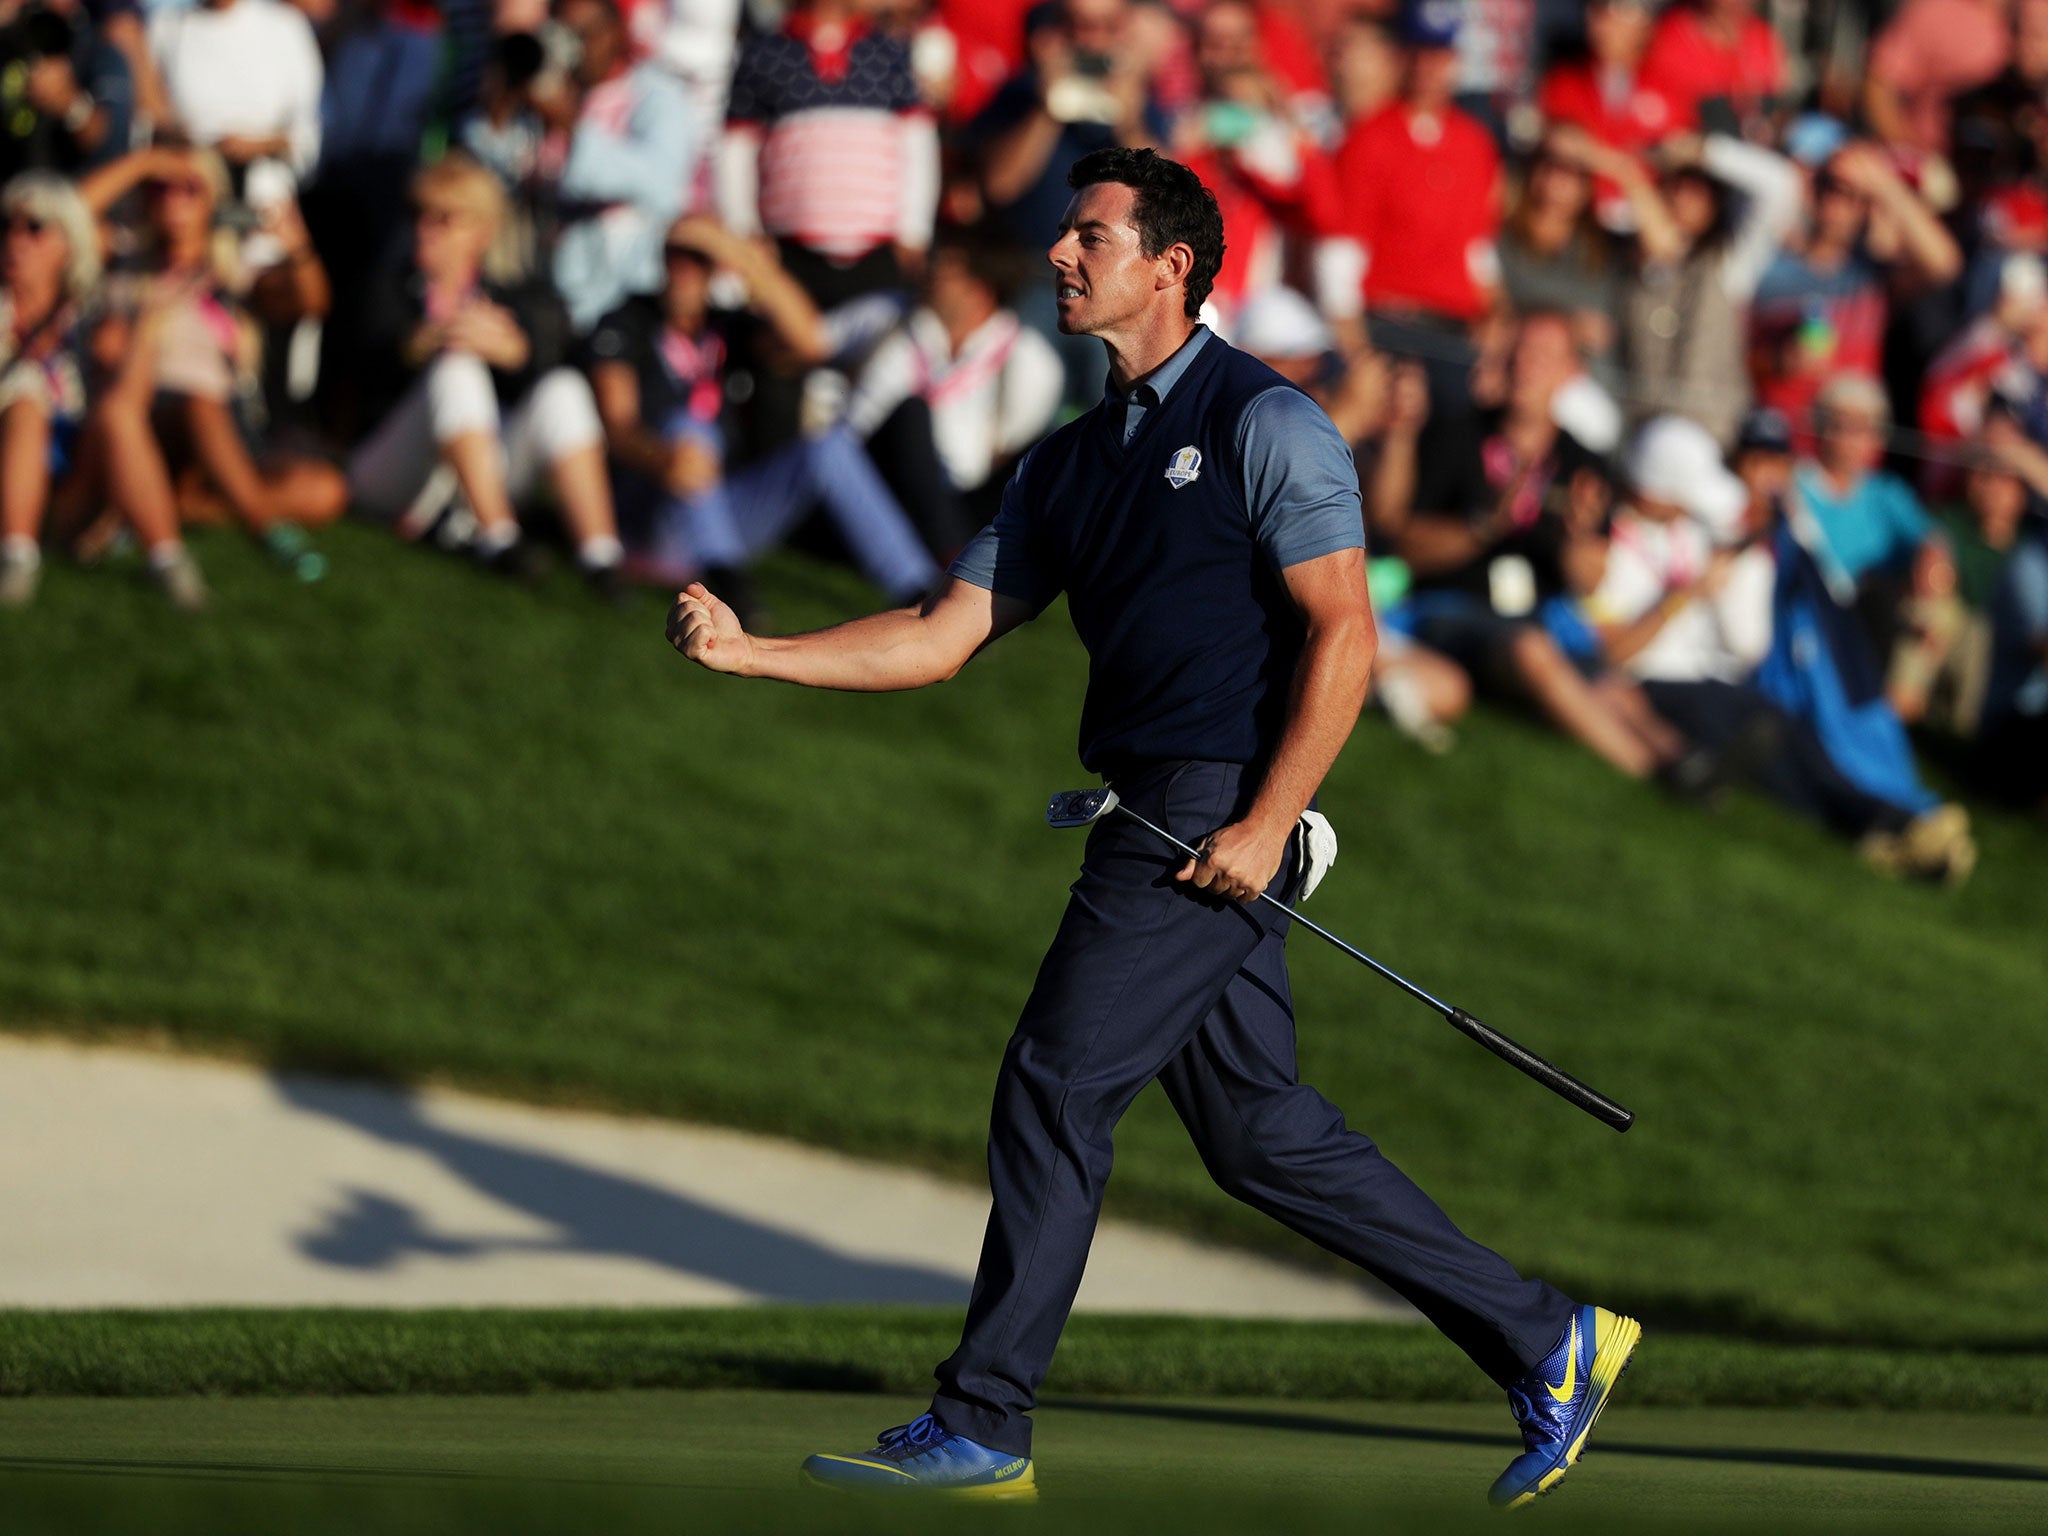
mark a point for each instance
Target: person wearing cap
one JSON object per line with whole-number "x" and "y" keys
{"x": 1689, "y": 614}
{"x": 1418, "y": 201}
{"x": 1422, "y": 691}
{"x": 1877, "y": 536}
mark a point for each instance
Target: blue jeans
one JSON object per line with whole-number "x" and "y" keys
{"x": 751, "y": 511}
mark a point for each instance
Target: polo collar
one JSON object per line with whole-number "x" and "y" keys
{"x": 1154, "y": 387}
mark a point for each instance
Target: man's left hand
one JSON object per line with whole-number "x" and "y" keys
{"x": 1241, "y": 861}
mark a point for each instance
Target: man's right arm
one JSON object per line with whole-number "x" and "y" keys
{"x": 885, "y": 652}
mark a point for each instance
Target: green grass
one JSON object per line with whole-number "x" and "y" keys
{"x": 725, "y": 1462}
{"x": 414, "y": 823}
{"x": 884, "y": 1349}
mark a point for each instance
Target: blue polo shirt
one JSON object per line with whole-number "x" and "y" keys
{"x": 1166, "y": 515}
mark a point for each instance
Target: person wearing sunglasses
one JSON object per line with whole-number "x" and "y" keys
{"x": 64, "y": 442}
{"x": 466, "y": 355}
{"x": 212, "y": 304}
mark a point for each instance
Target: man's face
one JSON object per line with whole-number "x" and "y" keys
{"x": 1095, "y": 26}
{"x": 1997, "y": 499}
{"x": 1432, "y": 77}
{"x": 1839, "y": 210}
{"x": 1226, "y": 41}
{"x": 597, "y": 32}
{"x": 1852, "y": 441}
{"x": 1617, "y": 31}
{"x": 1544, "y": 360}
{"x": 1105, "y": 279}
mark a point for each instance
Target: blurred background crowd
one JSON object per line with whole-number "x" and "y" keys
{"x": 1695, "y": 355}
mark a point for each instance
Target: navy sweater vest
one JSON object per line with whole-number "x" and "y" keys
{"x": 1192, "y": 639}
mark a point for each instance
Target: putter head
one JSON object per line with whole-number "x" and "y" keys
{"x": 1079, "y": 807}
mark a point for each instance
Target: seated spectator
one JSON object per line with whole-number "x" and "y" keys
{"x": 67, "y": 99}
{"x": 1472, "y": 508}
{"x": 1719, "y": 62}
{"x": 1982, "y": 526}
{"x": 471, "y": 372}
{"x": 242, "y": 77}
{"x": 1417, "y": 192}
{"x": 830, "y": 151}
{"x": 659, "y": 367}
{"x": 209, "y": 413}
{"x": 1823, "y": 305}
{"x": 2003, "y": 355}
{"x": 1877, "y": 536}
{"x": 2013, "y": 745}
{"x": 627, "y": 175}
{"x": 1691, "y": 617}
{"x": 1704, "y": 242}
{"x": 57, "y": 441}
{"x": 1606, "y": 96}
{"x": 948, "y": 402}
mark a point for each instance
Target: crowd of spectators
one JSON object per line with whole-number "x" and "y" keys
{"x": 1694, "y": 356}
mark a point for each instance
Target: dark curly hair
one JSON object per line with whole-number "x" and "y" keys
{"x": 1172, "y": 208}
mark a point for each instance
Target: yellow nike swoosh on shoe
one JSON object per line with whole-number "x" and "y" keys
{"x": 862, "y": 1461}
{"x": 1563, "y": 1394}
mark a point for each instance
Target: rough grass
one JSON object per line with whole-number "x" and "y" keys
{"x": 414, "y": 823}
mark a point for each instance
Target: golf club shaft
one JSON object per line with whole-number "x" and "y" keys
{"x": 1559, "y": 1082}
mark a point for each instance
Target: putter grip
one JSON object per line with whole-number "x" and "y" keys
{"x": 1563, "y": 1084}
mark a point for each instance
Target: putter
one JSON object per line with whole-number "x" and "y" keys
{"x": 1081, "y": 807}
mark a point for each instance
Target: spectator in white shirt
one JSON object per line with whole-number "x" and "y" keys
{"x": 1689, "y": 613}
{"x": 243, "y": 77}
{"x": 948, "y": 401}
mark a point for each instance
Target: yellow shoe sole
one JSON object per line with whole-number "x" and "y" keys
{"x": 1017, "y": 1490}
{"x": 1614, "y": 1346}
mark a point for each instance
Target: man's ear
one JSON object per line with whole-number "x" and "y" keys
{"x": 1175, "y": 263}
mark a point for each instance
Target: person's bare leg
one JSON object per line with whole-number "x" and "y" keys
{"x": 1570, "y": 703}
{"x": 1632, "y": 707}
{"x": 24, "y": 494}
{"x": 125, "y": 463}
{"x": 24, "y": 469}
{"x": 308, "y": 492}
{"x": 225, "y": 459}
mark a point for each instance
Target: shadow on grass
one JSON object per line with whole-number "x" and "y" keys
{"x": 590, "y": 1211}
{"x": 1306, "y": 1423}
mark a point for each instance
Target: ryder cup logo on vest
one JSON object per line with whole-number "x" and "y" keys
{"x": 1185, "y": 466}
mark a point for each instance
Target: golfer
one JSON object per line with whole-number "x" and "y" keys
{"x": 1204, "y": 523}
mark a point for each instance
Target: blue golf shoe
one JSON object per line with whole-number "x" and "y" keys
{"x": 1556, "y": 1403}
{"x": 921, "y": 1455}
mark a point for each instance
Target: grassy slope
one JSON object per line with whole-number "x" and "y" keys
{"x": 416, "y": 823}
{"x": 879, "y": 1349}
{"x": 724, "y": 1462}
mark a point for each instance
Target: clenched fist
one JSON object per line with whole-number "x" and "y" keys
{"x": 707, "y": 632}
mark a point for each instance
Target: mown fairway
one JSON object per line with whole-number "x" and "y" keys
{"x": 725, "y": 1462}
{"x": 416, "y": 823}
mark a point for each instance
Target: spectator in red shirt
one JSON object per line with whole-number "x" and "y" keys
{"x": 1606, "y": 94}
{"x": 1418, "y": 189}
{"x": 1717, "y": 51}
{"x": 1242, "y": 139}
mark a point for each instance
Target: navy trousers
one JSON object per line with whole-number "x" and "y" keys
{"x": 1144, "y": 980}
